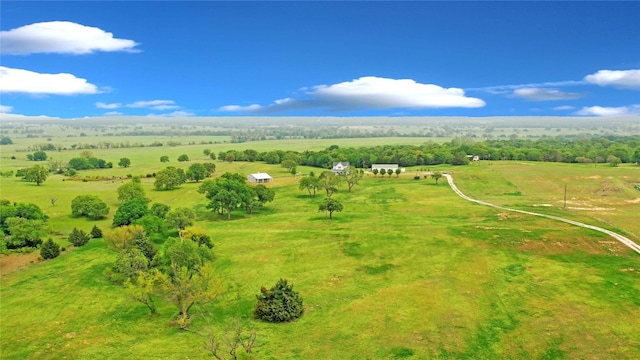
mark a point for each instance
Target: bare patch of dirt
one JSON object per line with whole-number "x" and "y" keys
{"x": 507, "y": 216}
{"x": 549, "y": 246}
{"x": 542, "y": 205}
{"x": 590, "y": 209}
{"x": 14, "y": 262}
{"x": 491, "y": 228}
{"x": 634, "y": 201}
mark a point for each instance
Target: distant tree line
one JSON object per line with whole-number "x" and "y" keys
{"x": 457, "y": 152}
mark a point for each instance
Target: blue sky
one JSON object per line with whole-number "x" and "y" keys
{"x": 204, "y": 58}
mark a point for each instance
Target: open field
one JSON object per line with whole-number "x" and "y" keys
{"x": 407, "y": 270}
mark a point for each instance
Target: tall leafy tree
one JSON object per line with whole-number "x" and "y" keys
{"x": 37, "y": 174}
{"x": 310, "y": 183}
{"x": 129, "y": 211}
{"x": 90, "y": 206}
{"x": 169, "y": 178}
{"x": 328, "y": 181}
{"x": 191, "y": 277}
{"x": 131, "y": 190}
{"x": 197, "y": 172}
{"x": 180, "y": 218}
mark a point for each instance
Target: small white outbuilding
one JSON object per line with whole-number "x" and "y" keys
{"x": 259, "y": 178}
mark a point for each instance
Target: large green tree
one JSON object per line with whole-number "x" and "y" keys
{"x": 330, "y": 206}
{"x": 169, "y": 178}
{"x": 90, "y": 206}
{"x": 227, "y": 193}
{"x": 124, "y": 162}
{"x": 129, "y": 211}
{"x": 24, "y": 232}
{"x": 37, "y": 174}
{"x": 131, "y": 190}
{"x": 197, "y": 172}
{"x": 180, "y": 218}
{"x": 191, "y": 277}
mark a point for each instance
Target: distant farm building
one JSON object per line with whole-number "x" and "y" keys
{"x": 340, "y": 168}
{"x": 259, "y": 178}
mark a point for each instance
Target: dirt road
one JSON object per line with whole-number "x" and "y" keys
{"x": 626, "y": 241}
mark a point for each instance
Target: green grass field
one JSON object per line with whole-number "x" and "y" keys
{"x": 407, "y": 270}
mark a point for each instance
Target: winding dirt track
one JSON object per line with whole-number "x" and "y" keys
{"x": 626, "y": 241}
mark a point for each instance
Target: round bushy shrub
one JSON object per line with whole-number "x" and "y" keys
{"x": 49, "y": 250}
{"x": 78, "y": 237}
{"x": 96, "y": 232}
{"x": 279, "y": 304}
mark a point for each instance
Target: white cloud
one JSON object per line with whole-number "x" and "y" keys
{"x": 61, "y": 37}
{"x": 101, "y": 105}
{"x": 631, "y": 110}
{"x": 369, "y": 93}
{"x": 25, "y": 81}
{"x": 174, "y": 114}
{"x": 113, "y": 113}
{"x": 543, "y": 94}
{"x": 249, "y": 108}
{"x": 617, "y": 78}
{"x": 504, "y": 89}
{"x": 5, "y": 108}
{"x": 155, "y": 104}
{"x": 564, "y": 107}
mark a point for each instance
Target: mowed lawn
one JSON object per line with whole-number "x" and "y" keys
{"x": 407, "y": 270}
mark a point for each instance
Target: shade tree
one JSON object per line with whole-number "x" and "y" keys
{"x": 197, "y": 172}
{"x": 227, "y": 193}
{"x": 129, "y": 211}
{"x": 124, "y": 162}
{"x": 328, "y": 181}
{"x": 131, "y": 190}
{"x": 180, "y": 218}
{"x": 169, "y": 178}
{"x": 310, "y": 183}
{"x": 37, "y": 174}
{"x": 329, "y": 206}
{"x": 90, "y": 206}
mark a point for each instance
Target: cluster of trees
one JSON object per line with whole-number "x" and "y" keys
{"x": 86, "y": 163}
{"x": 172, "y": 177}
{"x": 180, "y": 270}
{"x": 572, "y": 150}
{"x": 231, "y": 191}
{"x": 329, "y": 183}
{"x": 22, "y": 225}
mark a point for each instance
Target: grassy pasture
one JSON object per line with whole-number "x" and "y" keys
{"x": 407, "y": 270}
